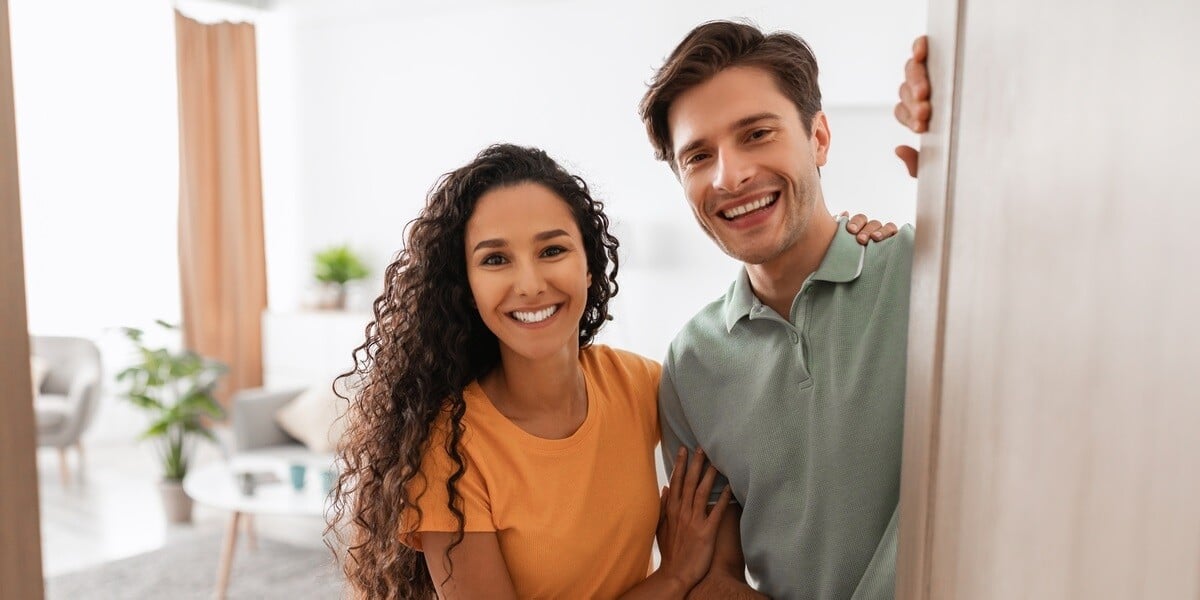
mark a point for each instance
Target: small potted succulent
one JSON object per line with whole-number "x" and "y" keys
{"x": 334, "y": 267}
{"x": 175, "y": 388}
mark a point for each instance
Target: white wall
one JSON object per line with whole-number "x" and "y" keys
{"x": 97, "y": 145}
{"x": 363, "y": 104}
{"x": 387, "y": 100}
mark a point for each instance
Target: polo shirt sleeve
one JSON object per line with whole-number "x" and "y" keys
{"x": 676, "y": 431}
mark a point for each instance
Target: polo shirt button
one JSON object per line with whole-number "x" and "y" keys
{"x": 795, "y": 338}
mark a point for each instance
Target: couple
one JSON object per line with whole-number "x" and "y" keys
{"x": 494, "y": 451}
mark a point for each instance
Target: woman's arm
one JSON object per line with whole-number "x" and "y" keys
{"x": 478, "y": 569}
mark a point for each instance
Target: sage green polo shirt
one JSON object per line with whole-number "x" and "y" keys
{"x": 803, "y": 415}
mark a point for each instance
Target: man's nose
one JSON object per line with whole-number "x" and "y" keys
{"x": 732, "y": 172}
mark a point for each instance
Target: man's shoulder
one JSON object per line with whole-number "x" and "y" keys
{"x": 709, "y": 321}
{"x": 894, "y": 252}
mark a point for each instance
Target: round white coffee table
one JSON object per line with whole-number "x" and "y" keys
{"x": 219, "y": 485}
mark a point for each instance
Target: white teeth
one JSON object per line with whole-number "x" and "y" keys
{"x": 738, "y": 211}
{"x": 535, "y": 317}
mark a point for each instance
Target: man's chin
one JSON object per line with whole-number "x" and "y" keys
{"x": 749, "y": 256}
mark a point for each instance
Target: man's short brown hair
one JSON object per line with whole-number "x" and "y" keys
{"x": 718, "y": 45}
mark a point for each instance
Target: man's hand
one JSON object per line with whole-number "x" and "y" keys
{"x": 913, "y": 110}
{"x": 866, "y": 229}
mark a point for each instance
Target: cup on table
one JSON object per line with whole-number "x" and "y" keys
{"x": 328, "y": 476}
{"x": 246, "y": 483}
{"x": 297, "y": 471}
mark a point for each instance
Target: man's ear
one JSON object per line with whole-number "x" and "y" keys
{"x": 820, "y": 138}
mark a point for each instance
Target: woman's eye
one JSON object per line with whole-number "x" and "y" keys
{"x": 493, "y": 260}
{"x": 553, "y": 251}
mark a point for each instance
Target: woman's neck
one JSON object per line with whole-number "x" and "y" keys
{"x": 546, "y": 396}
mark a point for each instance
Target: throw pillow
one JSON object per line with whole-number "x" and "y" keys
{"x": 312, "y": 418}
{"x": 39, "y": 368}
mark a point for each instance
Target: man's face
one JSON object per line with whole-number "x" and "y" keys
{"x": 747, "y": 165}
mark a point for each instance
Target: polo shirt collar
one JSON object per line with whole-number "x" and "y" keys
{"x": 843, "y": 263}
{"x": 843, "y": 260}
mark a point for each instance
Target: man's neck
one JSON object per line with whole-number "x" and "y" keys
{"x": 776, "y": 282}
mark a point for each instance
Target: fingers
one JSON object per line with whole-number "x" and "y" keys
{"x": 921, "y": 48}
{"x": 916, "y": 80}
{"x": 856, "y": 223}
{"x": 692, "y": 480}
{"x": 901, "y": 113}
{"x": 868, "y": 231}
{"x": 909, "y": 155}
{"x": 677, "y": 471}
{"x": 704, "y": 491}
{"x": 888, "y": 231}
{"x": 914, "y": 108}
{"x": 718, "y": 509}
{"x": 675, "y": 486}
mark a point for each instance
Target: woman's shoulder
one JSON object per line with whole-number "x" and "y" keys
{"x": 606, "y": 357}
{"x": 606, "y": 361}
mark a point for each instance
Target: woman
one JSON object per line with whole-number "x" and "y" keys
{"x": 492, "y": 450}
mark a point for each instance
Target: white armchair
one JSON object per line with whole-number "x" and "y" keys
{"x": 69, "y": 395}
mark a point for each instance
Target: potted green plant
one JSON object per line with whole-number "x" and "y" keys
{"x": 175, "y": 387}
{"x": 335, "y": 267}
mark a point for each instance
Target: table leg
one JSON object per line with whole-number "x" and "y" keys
{"x": 251, "y": 538}
{"x": 231, "y": 534}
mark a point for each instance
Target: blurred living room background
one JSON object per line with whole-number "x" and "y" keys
{"x": 352, "y": 111}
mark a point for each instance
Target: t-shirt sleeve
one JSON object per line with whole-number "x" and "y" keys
{"x": 429, "y": 489}
{"x": 676, "y": 431}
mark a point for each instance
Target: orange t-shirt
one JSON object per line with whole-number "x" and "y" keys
{"x": 575, "y": 517}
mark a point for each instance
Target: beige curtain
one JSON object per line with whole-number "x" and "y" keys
{"x": 222, "y": 263}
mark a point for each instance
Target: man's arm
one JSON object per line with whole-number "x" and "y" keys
{"x": 726, "y": 578}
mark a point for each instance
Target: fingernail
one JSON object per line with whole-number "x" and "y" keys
{"x": 682, "y": 451}
{"x": 853, "y": 228}
{"x": 877, "y": 235}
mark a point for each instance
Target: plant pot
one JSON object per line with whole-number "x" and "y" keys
{"x": 329, "y": 296}
{"x": 177, "y": 505}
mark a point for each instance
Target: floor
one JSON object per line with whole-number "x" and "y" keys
{"x": 112, "y": 510}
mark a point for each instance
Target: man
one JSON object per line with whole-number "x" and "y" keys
{"x": 793, "y": 382}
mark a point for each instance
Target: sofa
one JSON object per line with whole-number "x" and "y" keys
{"x": 257, "y": 430}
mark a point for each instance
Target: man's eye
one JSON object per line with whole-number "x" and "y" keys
{"x": 493, "y": 260}
{"x": 695, "y": 158}
{"x": 758, "y": 134}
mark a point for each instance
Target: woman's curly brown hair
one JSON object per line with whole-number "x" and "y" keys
{"x": 425, "y": 344}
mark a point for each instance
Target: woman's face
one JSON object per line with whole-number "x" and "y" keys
{"x": 527, "y": 268}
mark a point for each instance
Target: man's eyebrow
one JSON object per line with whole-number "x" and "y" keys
{"x": 500, "y": 243}
{"x": 740, "y": 123}
{"x": 752, "y": 119}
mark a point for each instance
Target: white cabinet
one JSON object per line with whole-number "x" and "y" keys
{"x": 304, "y": 348}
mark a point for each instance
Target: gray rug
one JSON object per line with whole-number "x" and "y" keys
{"x": 188, "y": 570}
